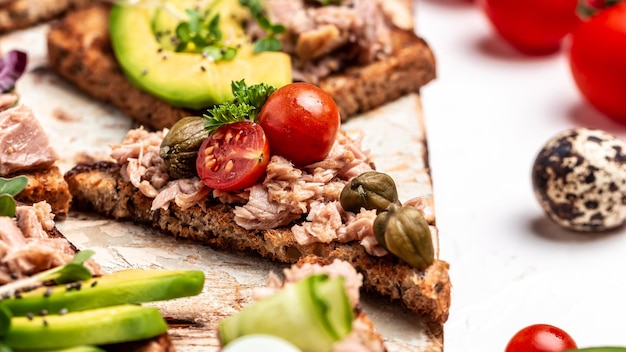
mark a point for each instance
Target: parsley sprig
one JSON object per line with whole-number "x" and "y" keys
{"x": 200, "y": 34}
{"x": 270, "y": 42}
{"x": 245, "y": 106}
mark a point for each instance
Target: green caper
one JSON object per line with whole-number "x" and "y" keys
{"x": 369, "y": 190}
{"x": 180, "y": 146}
{"x": 403, "y": 231}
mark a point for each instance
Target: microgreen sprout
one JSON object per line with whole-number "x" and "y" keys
{"x": 70, "y": 272}
{"x": 9, "y": 188}
{"x": 202, "y": 35}
{"x": 270, "y": 42}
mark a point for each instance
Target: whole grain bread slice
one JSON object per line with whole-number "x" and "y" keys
{"x": 79, "y": 50}
{"x": 99, "y": 187}
{"x": 18, "y": 14}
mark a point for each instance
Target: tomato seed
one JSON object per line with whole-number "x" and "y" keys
{"x": 229, "y": 166}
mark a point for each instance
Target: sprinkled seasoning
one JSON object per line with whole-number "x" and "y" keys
{"x": 203, "y": 68}
{"x": 43, "y": 312}
{"x": 94, "y": 283}
{"x": 48, "y": 292}
{"x": 144, "y": 71}
{"x": 17, "y": 294}
{"x": 45, "y": 322}
{"x": 30, "y": 316}
{"x": 63, "y": 311}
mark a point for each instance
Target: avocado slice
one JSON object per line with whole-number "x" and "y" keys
{"x": 132, "y": 286}
{"x": 188, "y": 79}
{"x": 91, "y": 327}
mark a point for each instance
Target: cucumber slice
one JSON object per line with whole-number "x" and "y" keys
{"x": 91, "y": 327}
{"x": 312, "y": 314}
{"x": 132, "y": 286}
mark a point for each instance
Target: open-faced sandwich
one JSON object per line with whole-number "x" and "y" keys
{"x": 159, "y": 61}
{"x": 25, "y": 145}
{"x": 314, "y": 306}
{"x": 53, "y": 297}
{"x": 18, "y": 14}
{"x": 272, "y": 173}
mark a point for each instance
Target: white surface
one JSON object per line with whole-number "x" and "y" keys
{"x": 487, "y": 116}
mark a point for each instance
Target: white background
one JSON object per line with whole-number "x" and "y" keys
{"x": 488, "y": 114}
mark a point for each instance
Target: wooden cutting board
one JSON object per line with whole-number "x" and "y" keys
{"x": 81, "y": 129}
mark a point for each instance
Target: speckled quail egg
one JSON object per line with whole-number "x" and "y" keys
{"x": 579, "y": 178}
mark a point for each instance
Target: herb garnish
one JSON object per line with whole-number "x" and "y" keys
{"x": 9, "y": 188}
{"x": 70, "y": 272}
{"x": 271, "y": 42}
{"x": 203, "y": 36}
{"x": 245, "y": 105}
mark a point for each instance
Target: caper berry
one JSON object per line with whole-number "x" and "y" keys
{"x": 370, "y": 190}
{"x": 179, "y": 148}
{"x": 403, "y": 231}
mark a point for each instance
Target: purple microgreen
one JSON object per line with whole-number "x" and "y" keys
{"x": 12, "y": 66}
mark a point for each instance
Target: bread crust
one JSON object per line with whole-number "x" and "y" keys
{"x": 79, "y": 50}
{"x": 99, "y": 187}
{"x": 18, "y": 14}
{"x": 48, "y": 185}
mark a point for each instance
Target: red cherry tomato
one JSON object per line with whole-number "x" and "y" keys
{"x": 234, "y": 156}
{"x": 533, "y": 27}
{"x": 541, "y": 338}
{"x": 597, "y": 57}
{"x": 301, "y": 122}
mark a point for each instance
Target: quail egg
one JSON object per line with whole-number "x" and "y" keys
{"x": 579, "y": 178}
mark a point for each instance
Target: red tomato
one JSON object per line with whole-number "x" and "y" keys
{"x": 234, "y": 156}
{"x": 534, "y": 27}
{"x": 541, "y": 338}
{"x": 301, "y": 122}
{"x": 597, "y": 57}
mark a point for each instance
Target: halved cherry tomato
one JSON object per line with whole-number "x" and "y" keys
{"x": 301, "y": 122}
{"x": 541, "y": 338}
{"x": 597, "y": 56}
{"x": 234, "y": 156}
{"x": 533, "y": 27}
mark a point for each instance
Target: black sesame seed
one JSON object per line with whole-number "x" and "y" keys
{"x": 29, "y": 316}
{"x": 14, "y": 276}
{"x": 94, "y": 283}
{"x": 203, "y": 68}
{"x": 63, "y": 311}
{"x": 48, "y": 292}
{"x": 159, "y": 50}
{"x": 45, "y": 322}
{"x": 17, "y": 294}
{"x": 43, "y": 312}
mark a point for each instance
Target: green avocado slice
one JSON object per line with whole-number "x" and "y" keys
{"x": 187, "y": 79}
{"x": 92, "y": 327}
{"x": 132, "y": 286}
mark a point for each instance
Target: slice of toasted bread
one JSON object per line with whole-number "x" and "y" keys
{"x": 49, "y": 185}
{"x": 99, "y": 187}
{"x": 79, "y": 50}
{"x": 18, "y": 14}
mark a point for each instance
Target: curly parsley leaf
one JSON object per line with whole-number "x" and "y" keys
{"x": 245, "y": 106}
{"x": 9, "y": 188}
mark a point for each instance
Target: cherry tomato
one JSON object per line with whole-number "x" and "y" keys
{"x": 301, "y": 122}
{"x": 597, "y": 56}
{"x": 533, "y": 27}
{"x": 541, "y": 338}
{"x": 234, "y": 156}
